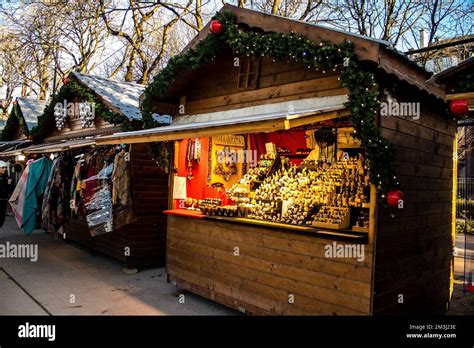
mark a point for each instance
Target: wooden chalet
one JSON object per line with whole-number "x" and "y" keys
{"x": 283, "y": 269}
{"x": 141, "y": 242}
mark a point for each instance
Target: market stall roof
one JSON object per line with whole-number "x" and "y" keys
{"x": 12, "y": 148}
{"x": 59, "y": 146}
{"x": 30, "y": 110}
{"x": 121, "y": 97}
{"x": 380, "y": 52}
{"x": 452, "y": 79}
{"x": 260, "y": 118}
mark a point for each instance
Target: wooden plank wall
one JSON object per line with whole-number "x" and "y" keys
{"x": 414, "y": 249}
{"x": 271, "y": 265}
{"x": 146, "y": 237}
{"x": 214, "y": 88}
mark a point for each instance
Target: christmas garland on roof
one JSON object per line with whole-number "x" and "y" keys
{"x": 15, "y": 120}
{"x": 70, "y": 90}
{"x": 325, "y": 56}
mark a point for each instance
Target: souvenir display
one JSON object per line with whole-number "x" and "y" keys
{"x": 303, "y": 151}
{"x": 239, "y": 193}
{"x": 267, "y": 165}
{"x": 191, "y": 204}
{"x": 209, "y": 206}
{"x": 362, "y": 222}
{"x": 283, "y": 150}
{"x": 193, "y": 155}
{"x": 265, "y": 210}
{"x": 314, "y": 193}
{"x": 332, "y": 217}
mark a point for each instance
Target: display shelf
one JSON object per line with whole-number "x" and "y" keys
{"x": 360, "y": 229}
{"x": 294, "y": 155}
{"x": 345, "y": 234}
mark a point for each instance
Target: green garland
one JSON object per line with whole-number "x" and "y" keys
{"x": 14, "y": 122}
{"x": 73, "y": 89}
{"x": 363, "y": 103}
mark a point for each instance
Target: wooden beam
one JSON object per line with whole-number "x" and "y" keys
{"x": 251, "y": 127}
{"x": 163, "y": 108}
{"x": 254, "y": 127}
{"x": 456, "y": 96}
{"x": 315, "y": 87}
{"x": 302, "y": 121}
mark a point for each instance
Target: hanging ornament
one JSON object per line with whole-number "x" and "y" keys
{"x": 459, "y": 107}
{"x": 216, "y": 26}
{"x": 66, "y": 80}
{"x": 394, "y": 197}
{"x": 86, "y": 114}
{"x": 60, "y": 114}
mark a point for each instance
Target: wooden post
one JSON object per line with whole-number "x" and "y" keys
{"x": 454, "y": 205}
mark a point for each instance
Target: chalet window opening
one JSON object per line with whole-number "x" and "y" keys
{"x": 249, "y": 73}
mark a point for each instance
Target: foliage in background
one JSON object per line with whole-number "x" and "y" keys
{"x": 325, "y": 56}
{"x": 466, "y": 83}
{"x": 47, "y": 123}
{"x": 461, "y": 224}
{"x": 15, "y": 124}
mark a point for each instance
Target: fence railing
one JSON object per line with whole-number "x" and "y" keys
{"x": 465, "y": 199}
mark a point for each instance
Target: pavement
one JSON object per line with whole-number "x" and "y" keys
{"x": 67, "y": 280}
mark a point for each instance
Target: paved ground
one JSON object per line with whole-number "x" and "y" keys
{"x": 463, "y": 302}
{"x": 68, "y": 280}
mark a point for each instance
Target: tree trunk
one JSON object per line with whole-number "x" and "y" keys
{"x": 131, "y": 65}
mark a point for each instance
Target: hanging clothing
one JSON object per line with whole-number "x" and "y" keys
{"x": 76, "y": 189}
{"x": 90, "y": 170}
{"x": 46, "y": 207}
{"x": 17, "y": 199}
{"x": 121, "y": 190}
{"x": 56, "y": 208}
{"x": 35, "y": 187}
{"x": 121, "y": 193}
{"x": 5, "y": 191}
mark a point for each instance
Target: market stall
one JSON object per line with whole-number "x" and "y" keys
{"x": 107, "y": 198}
{"x": 16, "y": 133}
{"x": 22, "y": 118}
{"x": 292, "y": 194}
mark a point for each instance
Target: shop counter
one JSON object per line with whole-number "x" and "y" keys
{"x": 260, "y": 267}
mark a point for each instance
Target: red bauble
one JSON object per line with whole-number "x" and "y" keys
{"x": 394, "y": 196}
{"x": 216, "y": 26}
{"x": 459, "y": 107}
{"x": 66, "y": 80}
